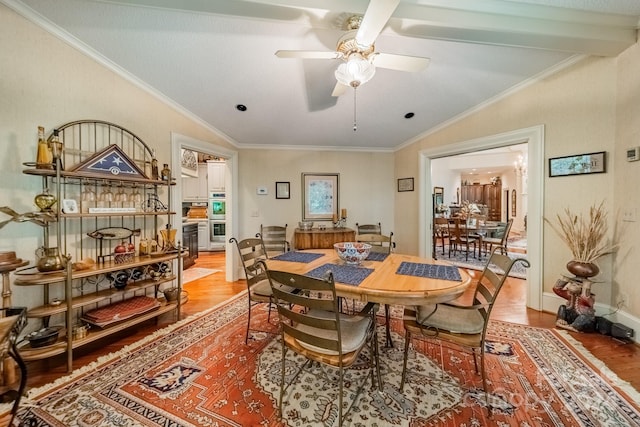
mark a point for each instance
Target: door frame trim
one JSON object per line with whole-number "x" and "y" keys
{"x": 534, "y": 137}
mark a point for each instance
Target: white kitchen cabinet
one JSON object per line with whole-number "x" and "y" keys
{"x": 196, "y": 188}
{"x": 217, "y": 172}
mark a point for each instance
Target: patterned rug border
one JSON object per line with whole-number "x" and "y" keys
{"x": 36, "y": 393}
{"x": 599, "y": 366}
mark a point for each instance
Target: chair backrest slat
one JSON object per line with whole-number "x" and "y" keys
{"x": 303, "y": 299}
{"x": 274, "y": 237}
{"x": 327, "y": 343}
{"x": 379, "y": 242}
{"x": 251, "y": 251}
{"x": 369, "y": 228}
{"x": 492, "y": 279}
{"x": 307, "y": 305}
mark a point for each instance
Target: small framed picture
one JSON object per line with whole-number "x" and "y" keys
{"x": 282, "y": 190}
{"x": 69, "y": 206}
{"x": 405, "y": 184}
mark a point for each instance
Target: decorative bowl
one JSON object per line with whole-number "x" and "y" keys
{"x": 352, "y": 252}
{"x": 305, "y": 225}
{"x": 44, "y": 337}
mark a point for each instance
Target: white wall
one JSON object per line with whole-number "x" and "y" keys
{"x": 366, "y": 185}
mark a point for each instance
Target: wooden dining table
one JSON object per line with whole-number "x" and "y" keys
{"x": 383, "y": 285}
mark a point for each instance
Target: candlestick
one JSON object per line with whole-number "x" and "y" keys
{"x": 343, "y": 213}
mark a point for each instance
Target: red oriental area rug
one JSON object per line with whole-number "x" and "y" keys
{"x": 199, "y": 372}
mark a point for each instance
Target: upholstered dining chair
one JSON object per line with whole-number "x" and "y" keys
{"x": 499, "y": 238}
{"x": 274, "y": 238}
{"x": 461, "y": 324}
{"x": 461, "y": 238}
{"x": 312, "y": 326}
{"x": 252, "y": 251}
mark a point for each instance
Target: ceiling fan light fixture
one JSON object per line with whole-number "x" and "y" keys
{"x": 355, "y": 71}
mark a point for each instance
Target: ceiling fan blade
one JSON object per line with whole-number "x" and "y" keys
{"x": 375, "y": 18}
{"x": 307, "y": 54}
{"x": 339, "y": 89}
{"x": 400, "y": 62}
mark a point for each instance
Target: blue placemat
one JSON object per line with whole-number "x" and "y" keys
{"x": 294, "y": 256}
{"x": 377, "y": 256}
{"x": 347, "y": 274}
{"x": 434, "y": 271}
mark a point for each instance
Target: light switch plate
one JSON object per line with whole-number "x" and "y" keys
{"x": 262, "y": 191}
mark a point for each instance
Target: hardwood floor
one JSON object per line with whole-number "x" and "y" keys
{"x": 623, "y": 359}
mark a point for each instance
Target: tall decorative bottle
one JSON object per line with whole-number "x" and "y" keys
{"x": 154, "y": 165}
{"x": 44, "y": 156}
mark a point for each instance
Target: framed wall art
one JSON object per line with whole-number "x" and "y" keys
{"x": 579, "y": 164}
{"x": 405, "y": 184}
{"x": 282, "y": 190}
{"x": 438, "y": 193}
{"x": 319, "y": 196}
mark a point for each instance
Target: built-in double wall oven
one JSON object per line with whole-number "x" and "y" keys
{"x": 217, "y": 219}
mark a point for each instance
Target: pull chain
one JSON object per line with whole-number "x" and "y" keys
{"x": 355, "y": 123}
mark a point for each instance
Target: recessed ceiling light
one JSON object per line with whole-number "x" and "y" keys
{"x": 409, "y": 115}
{"x": 241, "y": 107}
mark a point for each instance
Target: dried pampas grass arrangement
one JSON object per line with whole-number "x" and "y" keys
{"x": 585, "y": 237}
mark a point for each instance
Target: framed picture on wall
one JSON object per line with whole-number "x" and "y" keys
{"x": 405, "y": 184}
{"x": 579, "y": 164}
{"x": 438, "y": 195}
{"x": 282, "y": 190}
{"x": 320, "y": 196}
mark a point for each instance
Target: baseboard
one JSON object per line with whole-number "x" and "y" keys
{"x": 551, "y": 302}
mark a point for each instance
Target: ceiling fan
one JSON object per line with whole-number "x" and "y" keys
{"x": 356, "y": 48}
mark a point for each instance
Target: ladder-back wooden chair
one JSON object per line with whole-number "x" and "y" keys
{"x": 369, "y": 228}
{"x": 252, "y": 251}
{"x": 461, "y": 325}
{"x": 460, "y": 238}
{"x": 499, "y": 239}
{"x": 313, "y": 327}
{"x": 274, "y": 238}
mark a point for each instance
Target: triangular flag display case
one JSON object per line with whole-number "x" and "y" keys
{"x": 101, "y": 179}
{"x": 111, "y": 162}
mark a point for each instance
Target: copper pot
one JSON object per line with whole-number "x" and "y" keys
{"x": 583, "y": 269}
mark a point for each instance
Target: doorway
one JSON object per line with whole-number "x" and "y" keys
{"x": 534, "y": 137}
{"x": 179, "y": 142}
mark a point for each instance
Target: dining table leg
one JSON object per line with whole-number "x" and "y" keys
{"x": 387, "y": 317}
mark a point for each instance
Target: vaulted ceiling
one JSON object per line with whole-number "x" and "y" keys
{"x": 207, "y": 57}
